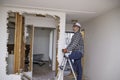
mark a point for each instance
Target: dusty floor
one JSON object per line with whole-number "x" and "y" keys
{"x": 44, "y": 72}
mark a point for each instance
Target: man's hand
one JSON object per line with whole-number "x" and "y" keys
{"x": 64, "y": 50}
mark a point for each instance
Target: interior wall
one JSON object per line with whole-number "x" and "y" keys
{"x": 41, "y": 42}
{"x": 102, "y": 47}
{"x": 3, "y": 46}
{"x": 40, "y": 21}
{"x": 4, "y": 37}
{"x": 68, "y": 27}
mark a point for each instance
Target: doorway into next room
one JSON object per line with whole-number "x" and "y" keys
{"x": 43, "y": 53}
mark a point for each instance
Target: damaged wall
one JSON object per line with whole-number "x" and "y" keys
{"x": 4, "y": 36}
{"x": 3, "y": 50}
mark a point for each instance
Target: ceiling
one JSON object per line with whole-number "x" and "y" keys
{"x": 81, "y": 10}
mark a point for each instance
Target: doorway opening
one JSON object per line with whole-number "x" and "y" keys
{"x": 44, "y": 45}
{"x": 24, "y": 30}
{"x": 43, "y": 53}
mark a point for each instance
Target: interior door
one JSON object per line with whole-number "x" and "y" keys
{"x": 19, "y": 44}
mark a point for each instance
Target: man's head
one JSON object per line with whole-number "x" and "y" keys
{"x": 76, "y": 27}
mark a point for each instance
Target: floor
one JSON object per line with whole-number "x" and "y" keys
{"x": 44, "y": 72}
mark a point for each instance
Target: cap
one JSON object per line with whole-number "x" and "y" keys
{"x": 77, "y": 24}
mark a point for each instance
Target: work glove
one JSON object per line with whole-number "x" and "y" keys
{"x": 64, "y": 50}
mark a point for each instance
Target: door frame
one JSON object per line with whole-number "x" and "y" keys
{"x": 57, "y": 15}
{"x": 19, "y": 44}
{"x": 52, "y": 43}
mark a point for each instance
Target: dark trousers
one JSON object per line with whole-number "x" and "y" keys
{"x": 76, "y": 56}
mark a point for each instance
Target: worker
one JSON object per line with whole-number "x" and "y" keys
{"x": 77, "y": 47}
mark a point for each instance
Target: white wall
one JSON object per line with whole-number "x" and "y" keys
{"x": 41, "y": 42}
{"x": 68, "y": 27}
{"x": 102, "y": 47}
{"x": 40, "y": 21}
{"x": 3, "y": 47}
{"x": 4, "y": 36}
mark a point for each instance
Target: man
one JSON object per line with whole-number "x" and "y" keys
{"x": 77, "y": 47}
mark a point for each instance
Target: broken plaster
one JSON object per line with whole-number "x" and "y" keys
{"x": 3, "y": 25}
{"x": 47, "y": 15}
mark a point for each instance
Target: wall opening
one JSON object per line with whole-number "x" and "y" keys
{"x": 26, "y": 44}
{"x": 43, "y": 53}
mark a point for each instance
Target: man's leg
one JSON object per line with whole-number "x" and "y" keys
{"x": 78, "y": 69}
{"x": 76, "y": 55}
{"x": 73, "y": 56}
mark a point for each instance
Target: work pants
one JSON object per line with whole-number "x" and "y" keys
{"x": 76, "y": 56}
